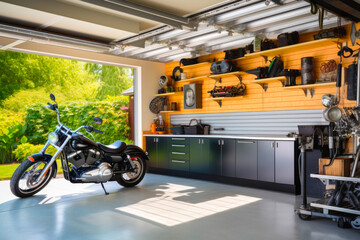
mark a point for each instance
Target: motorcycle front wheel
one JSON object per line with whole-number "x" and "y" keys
{"x": 23, "y": 182}
{"x": 131, "y": 179}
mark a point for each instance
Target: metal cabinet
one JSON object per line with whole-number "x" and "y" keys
{"x": 179, "y": 154}
{"x": 276, "y": 161}
{"x": 205, "y": 156}
{"x": 284, "y": 162}
{"x": 228, "y": 157}
{"x": 266, "y": 161}
{"x": 198, "y": 160}
{"x": 157, "y": 148}
{"x": 247, "y": 159}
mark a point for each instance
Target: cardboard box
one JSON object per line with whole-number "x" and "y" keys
{"x": 340, "y": 167}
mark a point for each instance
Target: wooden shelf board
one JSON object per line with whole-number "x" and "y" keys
{"x": 227, "y": 74}
{"x": 312, "y": 85}
{"x": 195, "y": 65}
{"x": 195, "y": 79}
{"x": 164, "y": 94}
{"x": 222, "y": 98}
{"x": 266, "y": 80}
{"x": 296, "y": 47}
{"x": 167, "y": 111}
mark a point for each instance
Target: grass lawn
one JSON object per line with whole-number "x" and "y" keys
{"x": 6, "y": 170}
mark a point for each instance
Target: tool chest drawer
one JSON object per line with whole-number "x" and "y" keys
{"x": 178, "y": 147}
{"x": 179, "y": 155}
{"x": 177, "y": 164}
{"x": 179, "y": 141}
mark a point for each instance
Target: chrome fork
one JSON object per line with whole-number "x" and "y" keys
{"x": 59, "y": 149}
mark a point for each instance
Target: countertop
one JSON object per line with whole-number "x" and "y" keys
{"x": 250, "y": 137}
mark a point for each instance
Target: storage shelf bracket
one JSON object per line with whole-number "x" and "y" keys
{"x": 309, "y": 90}
{"x": 265, "y": 58}
{"x": 220, "y": 103}
{"x": 264, "y": 86}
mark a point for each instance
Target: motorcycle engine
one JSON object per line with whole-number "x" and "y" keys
{"x": 78, "y": 158}
{"x": 101, "y": 173}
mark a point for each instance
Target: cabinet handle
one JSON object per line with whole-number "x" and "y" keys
{"x": 157, "y": 139}
{"x": 222, "y": 142}
{"x": 273, "y": 144}
{"x": 178, "y": 153}
{"x": 178, "y": 139}
{"x": 154, "y": 139}
{"x": 178, "y": 161}
{"x": 246, "y": 142}
{"x": 202, "y": 141}
{"x": 218, "y": 142}
{"x": 174, "y": 145}
{"x": 277, "y": 145}
{"x": 199, "y": 140}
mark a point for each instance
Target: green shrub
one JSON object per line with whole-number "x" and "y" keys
{"x": 26, "y": 149}
{"x": 40, "y": 121}
{"x": 9, "y": 138}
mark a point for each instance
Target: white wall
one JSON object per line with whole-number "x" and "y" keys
{"x": 146, "y": 77}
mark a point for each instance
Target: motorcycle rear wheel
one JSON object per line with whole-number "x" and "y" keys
{"x": 131, "y": 179}
{"x": 23, "y": 184}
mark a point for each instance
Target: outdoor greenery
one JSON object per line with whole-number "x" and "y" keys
{"x": 82, "y": 90}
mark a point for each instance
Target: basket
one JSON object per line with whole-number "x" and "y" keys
{"x": 194, "y": 129}
{"x": 177, "y": 130}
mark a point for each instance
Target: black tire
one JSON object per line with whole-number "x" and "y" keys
{"x": 131, "y": 182}
{"x": 304, "y": 217}
{"x": 343, "y": 223}
{"x": 18, "y": 174}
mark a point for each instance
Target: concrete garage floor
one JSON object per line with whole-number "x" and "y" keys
{"x": 161, "y": 207}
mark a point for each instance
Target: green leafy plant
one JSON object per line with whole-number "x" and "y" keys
{"x": 9, "y": 139}
{"x": 27, "y": 149}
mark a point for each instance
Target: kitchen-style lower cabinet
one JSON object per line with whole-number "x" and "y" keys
{"x": 284, "y": 162}
{"x": 276, "y": 161}
{"x": 266, "y": 161}
{"x": 157, "y": 148}
{"x": 247, "y": 159}
{"x": 228, "y": 160}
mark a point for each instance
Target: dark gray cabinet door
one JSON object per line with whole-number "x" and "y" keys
{"x": 214, "y": 155}
{"x": 162, "y": 152}
{"x": 247, "y": 159}
{"x": 152, "y": 150}
{"x": 266, "y": 161}
{"x": 198, "y": 163}
{"x": 284, "y": 162}
{"x": 228, "y": 157}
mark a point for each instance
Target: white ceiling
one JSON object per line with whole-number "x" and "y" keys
{"x": 182, "y": 29}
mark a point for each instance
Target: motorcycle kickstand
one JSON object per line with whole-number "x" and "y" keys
{"x": 106, "y": 193}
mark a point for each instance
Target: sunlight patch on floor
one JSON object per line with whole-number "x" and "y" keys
{"x": 167, "y": 210}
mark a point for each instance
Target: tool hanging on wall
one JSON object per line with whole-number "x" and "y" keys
{"x": 354, "y": 34}
{"x": 315, "y": 9}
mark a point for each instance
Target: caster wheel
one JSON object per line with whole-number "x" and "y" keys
{"x": 356, "y": 223}
{"x": 343, "y": 223}
{"x": 304, "y": 217}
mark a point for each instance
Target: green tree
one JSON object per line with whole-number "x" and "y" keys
{"x": 21, "y": 71}
{"x": 113, "y": 80}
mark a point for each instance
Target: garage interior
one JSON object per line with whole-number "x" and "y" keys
{"x": 237, "y": 169}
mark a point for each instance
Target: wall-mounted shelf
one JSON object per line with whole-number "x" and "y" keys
{"x": 219, "y": 77}
{"x": 295, "y": 48}
{"x": 167, "y": 111}
{"x": 202, "y": 64}
{"x": 195, "y": 79}
{"x": 311, "y": 87}
{"x": 220, "y": 99}
{"x": 164, "y": 94}
{"x": 264, "y": 82}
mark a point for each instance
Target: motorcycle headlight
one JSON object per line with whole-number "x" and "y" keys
{"x": 53, "y": 138}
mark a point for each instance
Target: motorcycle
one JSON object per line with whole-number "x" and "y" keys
{"x": 83, "y": 160}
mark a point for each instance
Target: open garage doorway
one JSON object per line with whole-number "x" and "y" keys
{"x": 83, "y": 90}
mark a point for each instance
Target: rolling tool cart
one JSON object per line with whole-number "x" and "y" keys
{"x": 343, "y": 205}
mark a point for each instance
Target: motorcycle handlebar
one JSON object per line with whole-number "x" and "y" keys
{"x": 92, "y": 129}
{"x": 98, "y": 131}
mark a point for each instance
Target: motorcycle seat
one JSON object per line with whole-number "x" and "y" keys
{"x": 116, "y": 147}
